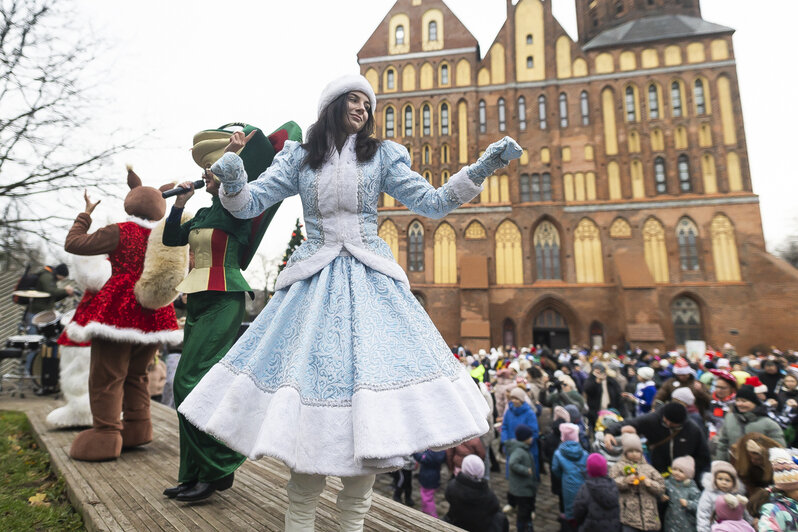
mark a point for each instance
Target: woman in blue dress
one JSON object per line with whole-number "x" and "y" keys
{"x": 316, "y": 381}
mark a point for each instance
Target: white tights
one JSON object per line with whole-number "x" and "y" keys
{"x": 354, "y": 501}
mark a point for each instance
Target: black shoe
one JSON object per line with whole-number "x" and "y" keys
{"x": 397, "y": 497}
{"x": 410, "y": 503}
{"x": 224, "y": 482}
{"x": 180, "y": 488}
{"x": 200, "y": 491}
{"x": 203, "y": 490}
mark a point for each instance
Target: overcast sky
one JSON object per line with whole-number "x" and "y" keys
{"x": 171, "y": 68}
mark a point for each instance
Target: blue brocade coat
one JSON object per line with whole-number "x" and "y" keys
{"x": 343, "y": 373}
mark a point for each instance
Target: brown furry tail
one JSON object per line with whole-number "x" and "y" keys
{"x": 164, "y": 268}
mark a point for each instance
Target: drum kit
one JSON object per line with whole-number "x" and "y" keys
{"x": 34, "y": 357}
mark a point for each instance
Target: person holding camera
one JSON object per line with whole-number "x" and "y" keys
{"x": 561, "y": 391}
{"x": 602, "y": 392}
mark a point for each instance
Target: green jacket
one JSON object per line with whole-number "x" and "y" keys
{"x": 217, "y": 250}
{"x": 737, "y": 424}
{"x": 521, "y": 467}
{"x": 47, "y": 283}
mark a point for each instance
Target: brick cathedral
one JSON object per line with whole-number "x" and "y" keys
{"x": 630, "y": 217}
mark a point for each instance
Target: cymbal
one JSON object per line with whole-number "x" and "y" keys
{"x": 30, "y": 293}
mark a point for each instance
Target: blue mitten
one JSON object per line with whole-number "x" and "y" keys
{"x": 498, "y": 155}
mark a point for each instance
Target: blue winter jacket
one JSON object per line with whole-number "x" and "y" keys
{"x": 522, "y": 415}
{"x": 645, "y": 397}
{"x": 570, "y": 464}
{"x": 429, "y": 473}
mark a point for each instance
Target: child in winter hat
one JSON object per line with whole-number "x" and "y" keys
{"x": 639, "y": 486}
{"x": 729, "y": 511}
{"x": 781, "y": 511}
{"x": 523, "y": 485}
{"x": 721, "y": 480}
{"x": 683, "y": 494}
{"x": 569, "y": 464}
{"x": 645, "y": 390}
{"x": 596, "y": 506}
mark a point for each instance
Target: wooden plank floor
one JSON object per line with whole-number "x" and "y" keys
{"x": 125, "y": 494}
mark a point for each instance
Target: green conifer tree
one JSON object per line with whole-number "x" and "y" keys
{"x": 296, "y": 239}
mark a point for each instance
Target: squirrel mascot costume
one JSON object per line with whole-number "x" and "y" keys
{"x": 91, "y": 273}
{"x": 126, "y": 320}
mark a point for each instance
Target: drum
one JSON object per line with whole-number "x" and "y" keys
{"x": 43, "y": 368}
{"x": 26, "y": 347}
{"x": 47, "y": 323}
{"x": 25, "y": 342}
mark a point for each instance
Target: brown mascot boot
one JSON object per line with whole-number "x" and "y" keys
{"x": 107, "y": 372}
{"x": 136, "y": 423}
{"x": 95, "y": 445}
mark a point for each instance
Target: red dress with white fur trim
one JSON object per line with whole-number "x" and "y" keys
{"x": 114, "y": 313}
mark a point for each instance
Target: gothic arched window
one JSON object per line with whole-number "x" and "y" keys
{"x": 685, "y": 184}
{"x": 547, "y": 251}
{"x": 415, "y": 248}
{"x": 686, "y": 317}
{"x": 687, "y": 237}
{"x": 542, "y": 111}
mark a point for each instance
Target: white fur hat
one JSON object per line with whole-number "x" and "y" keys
{"x": 344, "y": 84}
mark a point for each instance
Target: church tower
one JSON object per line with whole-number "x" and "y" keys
{"x": 596, "y": 16}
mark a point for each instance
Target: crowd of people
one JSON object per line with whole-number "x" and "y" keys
{"x": 632, "y": 440}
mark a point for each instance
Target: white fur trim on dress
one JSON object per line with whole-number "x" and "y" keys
{"x": 92, "y": 271}
{"x": 93, "y": 329}
{"x": 463, "y": 188}
{"x": 147, "y": 224}
{"x": 370, "y": 436}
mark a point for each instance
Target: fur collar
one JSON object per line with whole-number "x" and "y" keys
{"x": 147, "y": 224}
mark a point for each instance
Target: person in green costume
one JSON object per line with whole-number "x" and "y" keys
{"x": 222, "y": 246}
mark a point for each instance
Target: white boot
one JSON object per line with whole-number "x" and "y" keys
{"x": 74, "y": 382}
{"x": 354, "y": 501}
{"x": 303, "y": 496}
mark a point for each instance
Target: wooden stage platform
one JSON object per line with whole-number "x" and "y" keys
{"x": 125, "y": 495}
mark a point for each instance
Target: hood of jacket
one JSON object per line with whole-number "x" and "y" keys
{"x": 571, "y": 450}
{"x": 519, "y": 410}
{"x": 601, "y": 491}
{"x": 514, "y": 444}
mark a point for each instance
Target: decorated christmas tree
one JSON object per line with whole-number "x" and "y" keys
{"x": 296, "y": 239}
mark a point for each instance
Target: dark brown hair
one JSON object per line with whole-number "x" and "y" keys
{"x": 321, "y": 135}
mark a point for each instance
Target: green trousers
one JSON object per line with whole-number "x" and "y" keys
{"x": 212, "y": 322}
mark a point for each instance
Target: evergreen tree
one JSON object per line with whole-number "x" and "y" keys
{"x": 296, "y": 239}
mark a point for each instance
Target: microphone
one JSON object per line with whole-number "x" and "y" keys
{"x": 199, "y": 183}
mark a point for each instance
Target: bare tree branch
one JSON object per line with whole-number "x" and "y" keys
{"x": 45, "y": 104}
